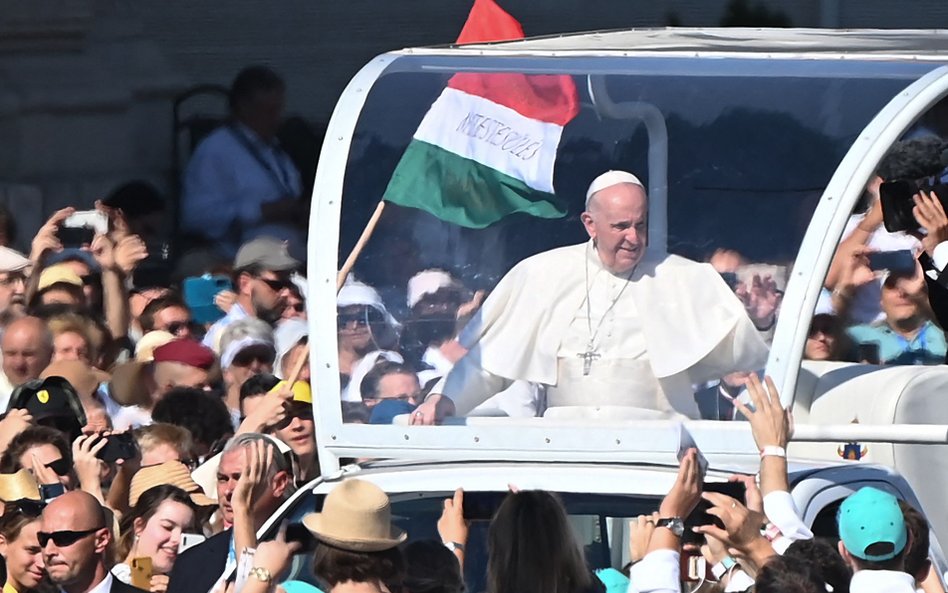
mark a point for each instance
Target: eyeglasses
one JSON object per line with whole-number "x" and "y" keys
{"x": 365, "y": 316}
{"x": 63, "y": 539}
{"x": 12, "y": 278}
{"x": 246, "y": 357}
{"x": 90, "y": 279}
{"x": 276, "y": 285}
{"x": 176, "y": 327}
{"x": 60, "y": 466}
{"x": 25, "y": 507}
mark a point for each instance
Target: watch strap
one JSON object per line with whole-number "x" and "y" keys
{"x": 454, "y": 546}
{"x": 721, "y": 568}
{"x": 773, "y": 451}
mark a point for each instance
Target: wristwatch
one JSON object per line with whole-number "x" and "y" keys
{"x": 261, "y": 574}
{"x": 675, "y": 524}
{"x": 454, "y": 546}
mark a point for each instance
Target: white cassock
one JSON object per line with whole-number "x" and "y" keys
{"x": 674, "y": 323}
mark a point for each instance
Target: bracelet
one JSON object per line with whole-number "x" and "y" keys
{"x": 721, "y": 568}
{"x": 773, "y": 451}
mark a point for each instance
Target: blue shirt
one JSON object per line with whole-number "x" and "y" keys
{"x": 232, "y": 172}
{"x": 927, "y": 347}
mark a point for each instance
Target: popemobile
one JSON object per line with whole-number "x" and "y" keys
{"x": 755, "y": 141}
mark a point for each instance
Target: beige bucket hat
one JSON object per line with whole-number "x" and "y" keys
{"x": 174, "y": 473}
{"x": 356, "y": 516}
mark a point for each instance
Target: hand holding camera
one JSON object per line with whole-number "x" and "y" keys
{"x": 930, "y": 214}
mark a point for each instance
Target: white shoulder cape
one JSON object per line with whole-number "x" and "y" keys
{"x": 686, "y": 309}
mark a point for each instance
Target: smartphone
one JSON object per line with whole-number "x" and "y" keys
{"x": 700, "y": 515}
{"x": 897, "y": 262}
{"x": 297, "y": 532}
{"x": 199, "y": 293}
{"x": 96, "y": 220}
{"x": 868, "y": 354}
{"x": 189, "y": 540}
{"x": 141, "y": 572}
{"x": 118, "y": 446}
{"x": 481, "y": 506}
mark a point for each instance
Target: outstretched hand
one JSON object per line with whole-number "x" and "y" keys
{"x": 686, "y": 491}
{"x": 761, "y": 299}
{"x": 451, "y": 526}
{"x": 770, "y": 422}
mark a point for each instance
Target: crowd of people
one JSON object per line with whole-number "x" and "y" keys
{"x": 151, "y": 428}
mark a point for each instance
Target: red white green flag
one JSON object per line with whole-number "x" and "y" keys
{"x": 487, "y": 146}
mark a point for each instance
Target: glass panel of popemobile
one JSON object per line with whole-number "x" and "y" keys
{"x": 457, "y": 310}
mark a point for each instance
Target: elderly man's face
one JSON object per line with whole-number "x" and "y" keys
{"x": 12, "y": 291}
{"x": 617, "y": 220}
{"x": 24, "y": 353}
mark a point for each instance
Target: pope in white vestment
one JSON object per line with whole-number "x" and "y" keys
{"x": 612, "y": 330}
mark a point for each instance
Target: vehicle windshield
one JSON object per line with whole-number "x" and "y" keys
{"x": 599, "y": 523}
{"x": 733, "y": 153}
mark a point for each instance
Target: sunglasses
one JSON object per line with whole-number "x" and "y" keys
{"x": 63, "y": 539}
{"x": 276, "y": 285}
{"x": 247, "y": 357}
{"x": 25, "y": 507}
{"x": 90, "y": 279}
{"x": 176, "y": 327}
{"x": 60, "y": 466}
{"x": 366, "y": 316}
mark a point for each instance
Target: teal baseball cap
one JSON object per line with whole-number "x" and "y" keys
{"x": 871, "y": 517}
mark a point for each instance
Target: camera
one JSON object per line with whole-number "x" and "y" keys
{"x": 897, "y": 203}
{"x": 910, "y": 167}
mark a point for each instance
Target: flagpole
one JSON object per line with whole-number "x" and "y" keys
{"x": 360, "y": 244}
{"x": 341, "y": 279}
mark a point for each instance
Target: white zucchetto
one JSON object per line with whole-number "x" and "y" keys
{"x": 608, "y": 179}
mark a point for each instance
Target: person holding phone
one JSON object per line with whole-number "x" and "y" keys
{"x": 153, "y": 529}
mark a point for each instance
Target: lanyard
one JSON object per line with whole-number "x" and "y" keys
{"x": 280, "y": 178}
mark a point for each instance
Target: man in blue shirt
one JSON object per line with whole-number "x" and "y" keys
{"x": 907, "y": 334}
{"x": 240, "y": 184}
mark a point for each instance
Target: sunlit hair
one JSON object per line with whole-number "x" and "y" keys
{"x": 532, "y": 548}
{"x": 161, "y": 433}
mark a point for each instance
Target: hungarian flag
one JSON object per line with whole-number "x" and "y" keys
{"x": 487, "y": 146}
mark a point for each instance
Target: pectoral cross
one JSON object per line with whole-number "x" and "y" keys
{"x": 588, "y": 357}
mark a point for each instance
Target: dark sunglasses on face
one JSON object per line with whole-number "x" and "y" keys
{"x": 60, "y": 466}
{"x": 63, "y": 539}
{"x": 247, "y": 357}
{"x": 25, "y": 507}
{"x": 90, "y": 279}
{"x": 366, "y": 316}
{"x": 278, "y": 284}
{"x": 176, "y": 327}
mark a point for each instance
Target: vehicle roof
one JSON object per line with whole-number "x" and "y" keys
{"x": 854, "y": 43}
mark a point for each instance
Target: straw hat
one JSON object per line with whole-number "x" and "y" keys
{"x": 173, "y": 473}
{"x": 19, "y": 486}
{"x": 356, "y": 516}
{"x": 145, "y": 349}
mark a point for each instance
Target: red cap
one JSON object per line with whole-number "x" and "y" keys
{"x": 187, "y": 352}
